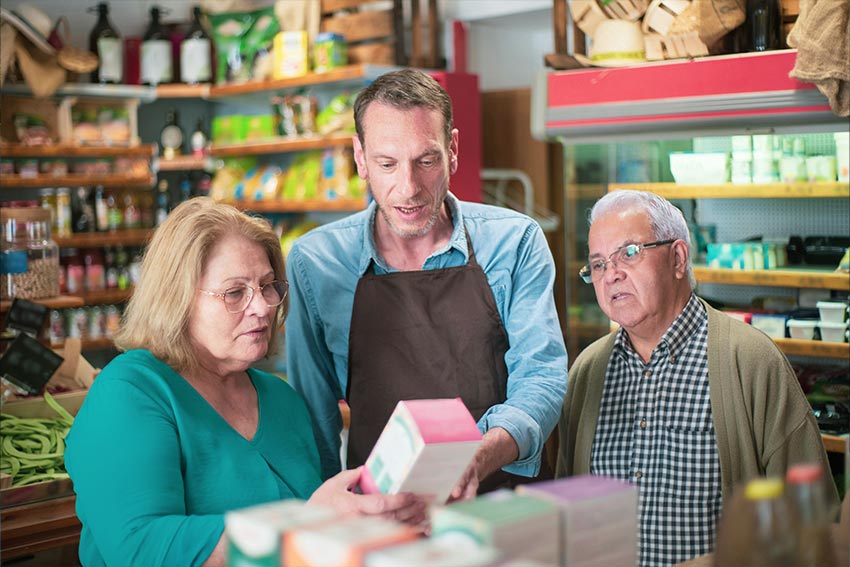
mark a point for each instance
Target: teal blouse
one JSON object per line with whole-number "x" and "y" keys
{"x": 155, "y": 467}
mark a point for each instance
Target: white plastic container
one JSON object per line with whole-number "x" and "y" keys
{"x": 832, "y": 311}
{"x": 699, "y": 168}
{"x": 802, "y": 328}
{"x": 832, "y": 332}
{"x": 772, "y": 325}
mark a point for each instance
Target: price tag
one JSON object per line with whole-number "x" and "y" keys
{"x": 28, "y": 364}
{"x": 26, "y": 316}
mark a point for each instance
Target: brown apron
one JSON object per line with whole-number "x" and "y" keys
{"x": 422, "y": 335}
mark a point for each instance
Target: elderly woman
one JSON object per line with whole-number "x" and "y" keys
{"x": 179, "y": 429}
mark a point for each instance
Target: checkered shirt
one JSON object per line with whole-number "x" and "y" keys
{"x": 655, "y": 430}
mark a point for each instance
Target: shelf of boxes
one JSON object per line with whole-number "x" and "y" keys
{"x": 281, "y": 206}
{"x": 73, "y": 151}
{"x": 76, "y": 180}
{"x": 797, "y": 190}
{"x": 281, "y": 145}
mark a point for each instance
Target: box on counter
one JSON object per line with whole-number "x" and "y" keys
{"x": 255, "y": 534}
{"x": 344, "y": 543}
{"x": 598, "y": 519}
{"x": 430, "y": 552}
{"x": 424, "y": 448}
{"x": 518, "y": 525}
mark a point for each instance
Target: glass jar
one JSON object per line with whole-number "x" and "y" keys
{"x": 29, "y": 263}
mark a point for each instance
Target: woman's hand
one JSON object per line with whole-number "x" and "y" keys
{"x": 338, "y": 493}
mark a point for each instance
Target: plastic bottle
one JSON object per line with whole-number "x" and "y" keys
{"x": 195, "y": 65}
{"x": 757, "y": 527}
{"x": 105, "y": 41}
{"x": 157, "y": 65}
{"x": 805, "y": 489}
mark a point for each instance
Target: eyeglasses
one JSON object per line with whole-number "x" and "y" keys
{"x": 237, "y": 298}
{"x": 623, "y": 256}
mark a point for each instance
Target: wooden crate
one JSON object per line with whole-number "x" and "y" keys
{"x": 48, "y": 109}
{"x": 372, "y": 33}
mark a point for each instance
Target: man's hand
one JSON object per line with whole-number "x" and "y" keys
{"x": 338, "y": 493}
{"x": 497, "y": 449}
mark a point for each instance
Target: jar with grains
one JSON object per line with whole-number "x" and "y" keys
{"x": 29, "y": 262}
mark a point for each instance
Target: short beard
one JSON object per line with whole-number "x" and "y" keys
{"x": 432, "y": 220}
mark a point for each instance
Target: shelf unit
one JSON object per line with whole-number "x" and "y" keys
{"x": 105, "y": 297}
{"x": 58, "y": 302}
{"x": 349, "y": 73}
{"x": 76, "y": 180}
{"x": 182, "y": 163}
{"x": 281, "y": 145}
{"x": 88, "y": 344}
{"x": 126, "y": 237}
{"x": 834, "y": 443}
{"x": 69, "y": 151}
{"x": 825, "y": 189}
{"x": 280, "y": 206}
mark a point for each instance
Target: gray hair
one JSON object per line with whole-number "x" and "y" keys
{"x": 666, "y": 221}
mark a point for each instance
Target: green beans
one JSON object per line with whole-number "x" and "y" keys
{"x": 32, "y": 448}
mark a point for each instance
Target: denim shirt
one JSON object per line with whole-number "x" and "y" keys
{"x": 325, "y": 265}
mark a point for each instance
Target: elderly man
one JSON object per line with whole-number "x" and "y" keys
{"x": 682, "y": 401}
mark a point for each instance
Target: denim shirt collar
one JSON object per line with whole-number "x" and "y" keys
{"x": 369, "y": 251}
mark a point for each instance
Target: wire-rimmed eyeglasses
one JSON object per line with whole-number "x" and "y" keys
{"x": 622, "y": 256}
{"x": 237, "y": 298}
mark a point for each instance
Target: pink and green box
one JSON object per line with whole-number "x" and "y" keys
{"x": 424, "y": 448}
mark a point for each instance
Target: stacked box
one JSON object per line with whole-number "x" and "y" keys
{"x": 518, "y": 525}
{"x": 598, "y": 519}
{"x": 344, "y": 543}
{"x": 424, "y": 448}
{"x": 433, "y": 553}
{"x": 255, "y": 535}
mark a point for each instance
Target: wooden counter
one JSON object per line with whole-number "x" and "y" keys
{"x": 31, "y": 528}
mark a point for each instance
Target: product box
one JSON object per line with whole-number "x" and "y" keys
{"x": 431, "y": 552}
{"x": 290, "y": 54}
{"x": 598, "y": 519}
{"x": 772, "y": 325}
{"x": 424, "y": 448}
{"x": 344, "y": 543}
{"x": 255, "y": 534}
{"x": 518, "y": 525}
{"x": 329, "y": 51}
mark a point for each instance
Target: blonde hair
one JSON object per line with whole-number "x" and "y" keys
{"x": 157, "y": 315}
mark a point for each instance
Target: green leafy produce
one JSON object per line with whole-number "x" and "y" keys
{"x": 33, "y": 449}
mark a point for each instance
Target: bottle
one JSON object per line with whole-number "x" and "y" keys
{"x": 121, "y": 264}
{"x": 47, "y": 198}
{"x": 115, "y": 215}
{"x": 156, "y": 52}
{"x": 146, "y": 209}
{"x": 195, "y": 65}
{"x": 132, "y": 218}
{"x": 95, "y": 279}
{"x": 101, "y": 210}
{"x": 763, "y": 23}
{"x": 757, "y": 527}
{"x": 805, "y": 487}
{"x": 185, "y": 187}
{"x": 163, "y": 202}
{"x": 171, "y": 136}
{"x": 106, "y": 43}
{"x": 63, "y": 212}
{"x": 199, "y": 140}
{"x": 75, "y": 270}
{"x": 82, "y": 210}
{"x": 111, "y": 270}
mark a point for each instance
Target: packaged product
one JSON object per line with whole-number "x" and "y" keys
{"x": 259, "y": 127}
{"x": 229, "y": 129}
{"x": 290, "y": 54}
{"x": 84, "y": 126}
{"x": 337, "y": 116}
{"x": 226, "y": 177}
{"x": 302, "y": 179}
{"x": 260, "y": 183}
{"x": 31, "y": 129}
{"x": 329, "y": 52}
{"x": 243, "y": 43}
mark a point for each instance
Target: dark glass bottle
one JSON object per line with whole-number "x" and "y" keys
{"x": 106, "y": 43}
{"x": 163, "y": 202}
{"x": 763, "y": 24}
{"x": 171, "y": 137}
{"x": 157, "y": 66}
{"x": 195, "y": 63}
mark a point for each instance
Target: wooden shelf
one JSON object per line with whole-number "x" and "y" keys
{"x": 64, "y": 150}
{"x": 803, "y": 277}
{"x": 826, "y": 189}
{"x": 833, "y": 443}
{"x": 340, "y": 74}
{"x": 182, "y": 163}
{"x": 75, "y": 180}
{"x": 823, "y": 349}
{"x": 279, "y": 206}
{"x": 58, "y": 302}
{"x": 38, "y": 526}
{"x": 88, "y": 344}
{"x": 105, "y": 297}
{"x": 128, "y": 237}
{"x": 281, "y": 145}
{"x": 586, "y": 191}
{"x": 178, "y": 90}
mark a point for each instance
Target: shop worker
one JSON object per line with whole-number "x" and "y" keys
{"x": 423, "y": 296}
{"x": 179, "y": 429}
{"x": 682, "y": 400}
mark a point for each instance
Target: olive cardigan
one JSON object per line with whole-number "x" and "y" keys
{"x": 762, "y": 420}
